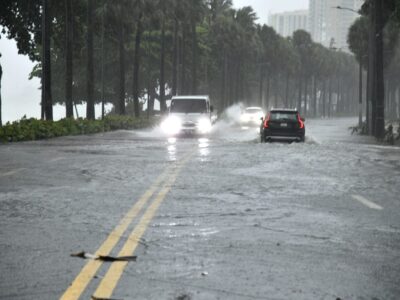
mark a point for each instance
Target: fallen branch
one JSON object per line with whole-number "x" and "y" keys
{"x": 105, "y": 258}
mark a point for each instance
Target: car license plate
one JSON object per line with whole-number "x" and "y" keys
{"x": 283, "y": 124}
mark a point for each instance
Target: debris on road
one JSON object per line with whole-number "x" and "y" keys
{"x": 183, "y": 297}
{"x": 105, "y": 258}
{"x": 97, "y": 298}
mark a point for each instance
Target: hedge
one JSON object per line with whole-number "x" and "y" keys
{"x": 34, "y": 129}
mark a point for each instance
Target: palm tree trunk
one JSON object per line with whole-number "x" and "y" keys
{"x": 121, "y": 47}
{"x": 306, "y": 96}
{"x": 1, "y": 75}
{"x": 315, "y": 96}
{"x": 268, "y": 90}
{"x": 102, "y": 65}
{"x": 68, "y": 60}
{"x": 261, "y": 87}
{"x": 136, "y": 65}
{"x": 398, "y": 101}
{"x": 90, "y": 67}
{"x": 276, "y": 92}
{"x": 299, "y": 98}
{"x": 393, "y": 101}
{"x": 324, "y": 98}
{"x": 380, "y": 90}
{"x": 339, "y": 95}
{"x": 287, "y": 91}
{"x": 183, "y": 88}
{"x": 175, "y": 59}
{"x": 330, "y": 97}
{"x": 224, "y": 82}
{"x": 46, "y": 60}
{"x": 150, "y": 104}
{"x": 194, "y": 57}
{"x": 163, "y": 105}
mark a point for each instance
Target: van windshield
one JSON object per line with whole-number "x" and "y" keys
{"x": 188, "y": 106}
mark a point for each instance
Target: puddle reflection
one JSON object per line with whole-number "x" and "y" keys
{"x": 171, "y": 149}
{"x": 204, "y": 149}
{"x": 203, "y": 146}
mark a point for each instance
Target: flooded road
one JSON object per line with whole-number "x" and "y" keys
{"x": 222, "y": 217}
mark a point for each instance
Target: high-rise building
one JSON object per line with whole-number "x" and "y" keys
{"x": 329, "y": 25}
{"x": 288, "y": 22}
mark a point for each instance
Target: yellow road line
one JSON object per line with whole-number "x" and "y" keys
{"x": 113, "y": 275}
{"x": 87, "y": 273}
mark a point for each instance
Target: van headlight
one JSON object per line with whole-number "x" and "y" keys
{"x": 172, "y": 125}
{"x": 204, "y": 125}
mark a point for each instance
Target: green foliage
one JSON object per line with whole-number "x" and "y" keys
{"x": 33, "y": 129}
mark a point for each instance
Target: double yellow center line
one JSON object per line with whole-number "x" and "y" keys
{"x": 110, "y": 280}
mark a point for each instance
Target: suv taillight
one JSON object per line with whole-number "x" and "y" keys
{"x": 301, "y": 123}
{"x": 266, "y": 122}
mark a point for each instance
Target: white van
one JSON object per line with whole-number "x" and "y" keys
{"x": 189, "y": 115}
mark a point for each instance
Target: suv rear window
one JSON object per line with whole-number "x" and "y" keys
{"x": 283, "y": 116}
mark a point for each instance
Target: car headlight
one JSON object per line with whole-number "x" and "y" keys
{"x": 245, "y": 118}
{"x": 172, "y": 125}
{"x": 204, "y": 125}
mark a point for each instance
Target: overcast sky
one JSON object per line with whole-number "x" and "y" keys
{"x": 22, "y": 96}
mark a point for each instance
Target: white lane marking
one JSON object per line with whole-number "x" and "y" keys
{"x": 56, "y": 159}
{"x": 13, "y": 172}
{"x": 366, "y": 202}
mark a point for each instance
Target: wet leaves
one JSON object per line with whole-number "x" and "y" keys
{"x": 104, "y": 258}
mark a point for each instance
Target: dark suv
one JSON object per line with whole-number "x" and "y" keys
{"x": 283, "y": 124}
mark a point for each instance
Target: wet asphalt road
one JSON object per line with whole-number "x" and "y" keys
{"x": 226, "y": 217}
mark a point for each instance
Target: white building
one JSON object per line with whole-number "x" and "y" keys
{"x": 288, "y": 22}
{"x": 328, "y": 23}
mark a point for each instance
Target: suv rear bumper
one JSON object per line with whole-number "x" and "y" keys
{"x": 297, "y": 135}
